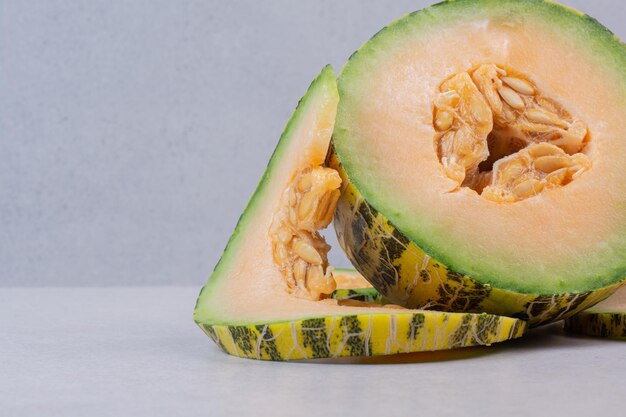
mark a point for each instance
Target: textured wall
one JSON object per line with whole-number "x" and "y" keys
{"x": 132, "y": 133}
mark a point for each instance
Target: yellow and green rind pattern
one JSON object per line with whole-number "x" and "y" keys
{"x": 406, "y": 275}
{"x": 611, "y": 325}
{"x": 363, "y": 335}
{"x": 369, "y": 295}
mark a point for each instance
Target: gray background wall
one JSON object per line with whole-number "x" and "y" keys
{"x": 132, "y": 133}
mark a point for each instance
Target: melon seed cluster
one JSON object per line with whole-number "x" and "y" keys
{"x": 300, "y": 252}
{"x": 498, "y": 117}
{"x": 533, "y": 169}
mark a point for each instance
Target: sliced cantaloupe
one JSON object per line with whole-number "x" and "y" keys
{"x": 605, "y": 319}
{"x": 270, "y": 296}
{"x": 481, "y": 148}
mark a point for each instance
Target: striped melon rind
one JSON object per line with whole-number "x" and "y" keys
{"x": 406, "y": 275}
{"x": 611, "y": 325}
{"x": 363, "y": 335}
{"x": 607, "y": 319}
{"x": 369, "y": 295}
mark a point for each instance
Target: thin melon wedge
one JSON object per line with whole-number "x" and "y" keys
{"x": 251, "y": 309}
{"x": 353, "y": 288}
{"x": 481, "y": 147}
{"x": 606, "y": 319}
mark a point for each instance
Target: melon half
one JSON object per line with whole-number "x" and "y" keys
{"x": 481, "y": 145}
{"x": 273, "y": 296}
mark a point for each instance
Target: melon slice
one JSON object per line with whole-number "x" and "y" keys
{"x": 481, "y": 148}
{"x": 352, "y": 287}
{"x": 269, "y": 296}
{"x": 606, "y": 319}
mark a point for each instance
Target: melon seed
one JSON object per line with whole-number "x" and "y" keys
{"x": 548, "y": 164}
{"x": 443, "y": 120}
{"x": 538, "y": 116}
{"x": 528, "y": 188}
{"x": 511, "y": 97}
{"x": 519, "y": 85}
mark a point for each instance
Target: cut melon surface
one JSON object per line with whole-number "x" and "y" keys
{"x": 605, "y": 319}
{"x": 270, "y": 295}
{"x": 481, "y": 148}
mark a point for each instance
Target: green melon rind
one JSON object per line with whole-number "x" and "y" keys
{"x": 323, "y": 84}
{"x": 594, "y": 38}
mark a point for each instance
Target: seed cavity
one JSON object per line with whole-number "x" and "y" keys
{"x": 299, "y": 251}
{"x": 498, "y": 134}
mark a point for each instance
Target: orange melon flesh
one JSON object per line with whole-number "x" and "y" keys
{"x": 347, "y": 279}
{"x": 563, "y": 240}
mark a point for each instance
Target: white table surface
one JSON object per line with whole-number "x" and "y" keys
{"x": 136, "y": 352}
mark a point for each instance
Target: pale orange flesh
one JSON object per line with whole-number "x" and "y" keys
{"x": 347, "y": 280}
